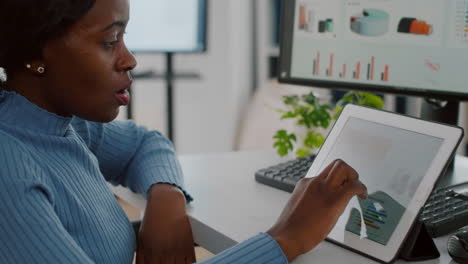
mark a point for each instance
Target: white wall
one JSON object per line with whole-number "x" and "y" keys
{"x": 207, "y": 111}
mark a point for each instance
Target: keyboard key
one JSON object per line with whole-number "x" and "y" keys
{"x": 461, "y": 214}
{"x": 291, "y": 181}
{"x": 444, "y": 220}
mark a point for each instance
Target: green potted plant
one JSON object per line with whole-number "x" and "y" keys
{"x": 313, "y": 119}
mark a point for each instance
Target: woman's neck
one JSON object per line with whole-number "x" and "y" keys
{"x": 34, "y": 89}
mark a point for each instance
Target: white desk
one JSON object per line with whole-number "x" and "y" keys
{"x": 230, "y": 206}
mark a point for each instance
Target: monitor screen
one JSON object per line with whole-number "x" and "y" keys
{"x": 167, "y": 26}
{"x": 417, "y": 47}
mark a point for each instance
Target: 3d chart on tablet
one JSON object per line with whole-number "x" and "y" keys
{"x": 399, "y": 159}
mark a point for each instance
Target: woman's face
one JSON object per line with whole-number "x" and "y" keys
{"x": 87, "y": 69}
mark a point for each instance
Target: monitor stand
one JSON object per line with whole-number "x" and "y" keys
{"x": 446, "y": 112}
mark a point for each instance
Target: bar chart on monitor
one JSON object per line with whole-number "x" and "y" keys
{"x": 329, "y": 65}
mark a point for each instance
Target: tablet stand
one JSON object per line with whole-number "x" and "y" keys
{"x": 419, "y": 245}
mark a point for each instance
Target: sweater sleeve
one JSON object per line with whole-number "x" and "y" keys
{"x": 261, "y": 249}
{"x": 30, "y": 230}
{"x": 131, "y": 155}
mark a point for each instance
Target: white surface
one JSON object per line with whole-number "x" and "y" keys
{"x": 230, "y": 206}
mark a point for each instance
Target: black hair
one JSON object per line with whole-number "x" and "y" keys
{"x": 27, "y": 25}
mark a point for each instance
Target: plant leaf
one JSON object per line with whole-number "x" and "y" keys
{"x": 313, "y": 140}
{"x": 291, "y": 100}
{"x": 283, "y": 142}
{"x": 302, "y": 153}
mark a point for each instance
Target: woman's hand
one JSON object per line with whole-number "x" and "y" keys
{"x": 314, "y": 208}
{"x": 165, "y": 235}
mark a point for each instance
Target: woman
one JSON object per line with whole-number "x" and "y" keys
{"x": 67, "y": 72}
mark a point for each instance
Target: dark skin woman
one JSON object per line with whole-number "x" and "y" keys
{"x": 69, "y": 58}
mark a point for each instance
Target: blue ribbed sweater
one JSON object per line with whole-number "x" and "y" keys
{"x": 55, "y": 205}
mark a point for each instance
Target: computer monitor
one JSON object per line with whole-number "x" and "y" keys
{"x": 417, "y": 47}
{"x": 167, "y": 26}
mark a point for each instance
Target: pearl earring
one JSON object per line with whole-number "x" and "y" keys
{"x": 28, "y": 66}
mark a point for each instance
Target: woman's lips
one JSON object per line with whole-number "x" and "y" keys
{"x": 123, "y": 97}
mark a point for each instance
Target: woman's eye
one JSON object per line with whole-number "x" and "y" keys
{"x": 110, "y": 44}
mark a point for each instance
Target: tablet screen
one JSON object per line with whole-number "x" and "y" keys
{"x": 391, "y": 162}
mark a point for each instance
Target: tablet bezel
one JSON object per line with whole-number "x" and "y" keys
{"x": 451, "y": 136}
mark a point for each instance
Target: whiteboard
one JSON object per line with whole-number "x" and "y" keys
{"x": 166, "y": 26}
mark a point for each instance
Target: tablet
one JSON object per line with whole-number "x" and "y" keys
{"x": 399, "y": 159}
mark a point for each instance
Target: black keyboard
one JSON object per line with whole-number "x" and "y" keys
{"x": 443, "y": 213}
